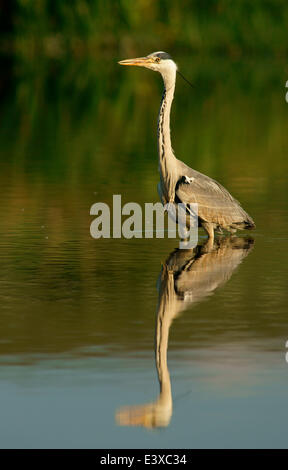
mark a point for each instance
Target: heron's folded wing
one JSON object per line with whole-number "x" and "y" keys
{"x": 215, "y": 203}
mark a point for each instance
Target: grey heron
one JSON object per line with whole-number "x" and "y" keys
{"x": 179, "y": 183}
{"x": 187, "y": 278}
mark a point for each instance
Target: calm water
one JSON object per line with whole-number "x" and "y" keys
{"x": 80, "y": 317}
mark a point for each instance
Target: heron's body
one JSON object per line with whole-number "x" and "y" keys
{"x": 179, "y": 183}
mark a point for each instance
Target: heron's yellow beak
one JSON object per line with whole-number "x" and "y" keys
{"x": 140, "y": 61}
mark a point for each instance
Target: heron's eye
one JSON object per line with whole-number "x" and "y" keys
{"x": 157, "y": 59}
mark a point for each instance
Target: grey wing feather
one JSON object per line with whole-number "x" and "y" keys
{"x": 212, "y": 269}
{"x": 215, "y": 203}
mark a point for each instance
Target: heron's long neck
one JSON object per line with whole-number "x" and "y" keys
{"x": 165, "y": 314}
{"x": 166, "y": 156}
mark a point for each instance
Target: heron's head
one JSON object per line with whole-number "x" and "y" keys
{"x": 158, "y": 61}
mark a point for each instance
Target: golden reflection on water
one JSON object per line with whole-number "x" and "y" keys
{"x": 187, "y": 277}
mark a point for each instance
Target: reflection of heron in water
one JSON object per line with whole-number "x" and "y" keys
{"x": 217, "y": 209}
{"x": 187, "y": 277}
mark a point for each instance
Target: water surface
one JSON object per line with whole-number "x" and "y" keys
{"x": 79, "y": 316}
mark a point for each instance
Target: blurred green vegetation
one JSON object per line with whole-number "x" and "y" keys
{"x": 71, "y": 116}
{"x": 30, "y": 27}
{"x": 76, "y": 119}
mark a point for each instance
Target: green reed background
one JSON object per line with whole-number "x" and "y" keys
{"x": 69, "y": 114}
{"x": 201, "y": 25}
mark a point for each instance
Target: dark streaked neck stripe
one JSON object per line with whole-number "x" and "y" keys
{"x": 161, "y": 136}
